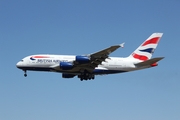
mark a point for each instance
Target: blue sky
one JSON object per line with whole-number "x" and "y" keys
{"x": 83, "y": 27}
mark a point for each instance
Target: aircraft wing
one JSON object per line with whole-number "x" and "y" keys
{"x": 95, "y": 59}
{"x": 100, "y": 56}
{"x": 106, "y": 52}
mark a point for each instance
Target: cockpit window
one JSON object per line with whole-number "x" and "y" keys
{"x": 22, "y": 60}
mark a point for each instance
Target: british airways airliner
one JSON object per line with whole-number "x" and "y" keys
{"x": 86, "y": 67}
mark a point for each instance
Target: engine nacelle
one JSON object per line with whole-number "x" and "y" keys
{"x": 67, "y": 75}
{"x": 82, "y": 59}
{"x": 66, "y": 65}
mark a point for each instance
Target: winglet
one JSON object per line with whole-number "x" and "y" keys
{"x": 122, "y": 45}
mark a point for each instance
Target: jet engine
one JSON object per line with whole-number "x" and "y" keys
{"x": 66, "y": 65}
{"x": 82, "y": 59}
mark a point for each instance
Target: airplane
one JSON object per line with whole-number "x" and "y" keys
{"x": 86, "y": 67}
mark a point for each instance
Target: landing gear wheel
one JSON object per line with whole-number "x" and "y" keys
{"x": 25, "y": 75}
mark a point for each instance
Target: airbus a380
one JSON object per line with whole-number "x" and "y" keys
{"x": 86, "y": 67}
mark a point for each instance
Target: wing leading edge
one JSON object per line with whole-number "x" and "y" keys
{"x": 106, "y": 51}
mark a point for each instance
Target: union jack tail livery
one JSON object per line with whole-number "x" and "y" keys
{"x": 146, "y": 49}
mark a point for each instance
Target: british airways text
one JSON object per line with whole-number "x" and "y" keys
{"x": 50, "y": 61}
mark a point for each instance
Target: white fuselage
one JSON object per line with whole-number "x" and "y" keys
{"x": 109, "y": 66}
{"x": 87, "y": 66}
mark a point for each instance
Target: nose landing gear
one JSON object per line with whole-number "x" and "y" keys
{"x": 25, "y": 74}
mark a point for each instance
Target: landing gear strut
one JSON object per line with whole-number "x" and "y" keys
{"x": 25, "y": 74}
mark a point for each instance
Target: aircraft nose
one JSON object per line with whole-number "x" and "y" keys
{"x": 19, "y": 65}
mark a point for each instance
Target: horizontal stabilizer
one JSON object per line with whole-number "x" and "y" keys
{"x": 149, "y": 62}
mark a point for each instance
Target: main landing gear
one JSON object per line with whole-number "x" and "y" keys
{"x": 86, "y": 76}
{"x": 25, "y": 73}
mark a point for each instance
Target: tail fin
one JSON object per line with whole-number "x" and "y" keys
{"x": 146, "y": 49}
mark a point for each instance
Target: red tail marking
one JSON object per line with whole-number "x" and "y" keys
{"x": 140, "y": 57}
{"x": 151, "y": 41}
{"x": 154, "y": 64}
